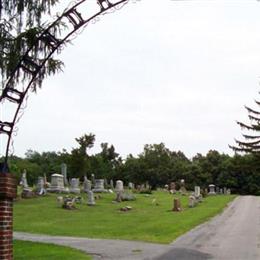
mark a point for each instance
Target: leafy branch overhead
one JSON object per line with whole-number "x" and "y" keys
{"x": 21, "y": 23}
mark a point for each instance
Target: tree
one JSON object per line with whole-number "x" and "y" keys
{"x": 251, "y": 144}
{"x": 80, "y": 160}
{"x": 21, "y": 22}
{"x": 105, "y": 163}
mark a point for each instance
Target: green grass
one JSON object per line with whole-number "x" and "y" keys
{"x": 145, "y": 222}
{"x": 31, "y": 250}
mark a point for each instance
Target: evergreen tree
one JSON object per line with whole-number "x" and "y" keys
{"x": 251, "y": 142}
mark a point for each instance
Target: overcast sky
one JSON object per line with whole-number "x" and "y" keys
{"x": 177, "y": 72}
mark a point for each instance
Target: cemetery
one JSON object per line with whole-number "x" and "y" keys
{"x": 157, "y": 196}
{"x": 96, "y": 211}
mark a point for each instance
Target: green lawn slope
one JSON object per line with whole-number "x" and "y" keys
{"x": 151, "y": 218}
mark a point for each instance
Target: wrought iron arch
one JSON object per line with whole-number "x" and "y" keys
{"x": 17, "y": 94}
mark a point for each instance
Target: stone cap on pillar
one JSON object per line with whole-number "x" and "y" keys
{"x": 8, "y": 186}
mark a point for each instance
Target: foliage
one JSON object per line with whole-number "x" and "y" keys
{"x": 252, "y": 140}
{"x": 156, "y": 165}
{"x": 24, "y": 250}
{"x": 21, "y": 22}
{"x": 146, "y": 221}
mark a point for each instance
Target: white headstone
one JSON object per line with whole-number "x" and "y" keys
{"x": 74, "y": 185}
{"x": 57, "y": 183}
{"x": 64, "y": 173}
{"x": 23, "y": 181}
{"x": 119, "y": 185}
{"x": 91, "y": 198}
{"x": 111, "y": 184}
{"x": 212, "y": 189}
{"x": 197, "y": 191}
{"x": 40, "y": 186}
{"x": 192, "y": 201}
{"x": 86, "y": 184}
{"x": 99, "y": 186}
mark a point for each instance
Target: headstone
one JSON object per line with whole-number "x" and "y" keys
{"x": 127, "y": 197}
{"x": 93, "y": 180}
{"x": 27, "y": 191}
{"x": 139, "y": 187}
{"x": 217, "y": 190}
{"x": 221, "y": 191}
{"x": 147, "y": 186}
{"x": 212, "y": 189}
{"x": 74, "y": 185}
{"x": 111, "y": 184}
{"x": 57, "y": 183}
{"x": 197, "y": 191}
{"x": 225, "y": 190}
{"x": 228, "y": 191}
{"x": 40, "y": 186}
{"x": 46, "y": 183}
{"x": 176, "y": 205}
{"x": 119, "y": 190}
{"x": 64, "y": 173}
{"x": 130, "y": 185}
{"x": 173, "y": 187}
{"x": 99, "y": 186}
{"x": 182, "y": 188}
{"x": 119, "y": 185}
{"x": 119, "y": 195}
{"x": 105, "y": 184}
{"x": 86, "y": 184}
{"x": 23, "y": 181}
{"x": 192, "y": 201}
{"x": 91, "y": 198}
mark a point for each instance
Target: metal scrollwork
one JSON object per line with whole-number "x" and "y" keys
{"x": 28, "y": 64}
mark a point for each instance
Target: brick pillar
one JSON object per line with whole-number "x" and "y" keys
{"x": 8, "y": 190}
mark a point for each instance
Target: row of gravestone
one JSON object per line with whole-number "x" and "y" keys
{"x": 212, "y": 189}
{"x": 57, "y": 185}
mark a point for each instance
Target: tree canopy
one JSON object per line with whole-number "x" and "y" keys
{"x": 156, "y": 165}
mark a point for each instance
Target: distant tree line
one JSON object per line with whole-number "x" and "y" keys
{"x": 156, "y": 165}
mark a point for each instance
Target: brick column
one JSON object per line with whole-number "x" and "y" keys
{"x": 8, "y": 190}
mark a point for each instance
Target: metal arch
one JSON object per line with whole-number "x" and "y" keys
{"x": 33, "y": 67}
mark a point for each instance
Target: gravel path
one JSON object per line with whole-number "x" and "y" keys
{"x": 233, "y": 235}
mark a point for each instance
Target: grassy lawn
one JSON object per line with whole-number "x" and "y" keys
{"x": 146, "y": 221}
{"x": 30, "y": 250}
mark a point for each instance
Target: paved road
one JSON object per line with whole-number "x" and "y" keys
{"x": 102, "y": 248}
{"x": 233, "y": 235}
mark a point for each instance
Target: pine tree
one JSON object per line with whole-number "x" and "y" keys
{"x": 251, "y": 143}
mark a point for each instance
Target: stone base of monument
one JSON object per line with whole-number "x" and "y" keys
{"x": 100, "y": 190}
{"x": 127, "y": 197}
{"x": 41, "y": 192}
{"x": 27, "y": 193}
{"x": 57, "y": 190}
{"x": 75, "y": 190}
